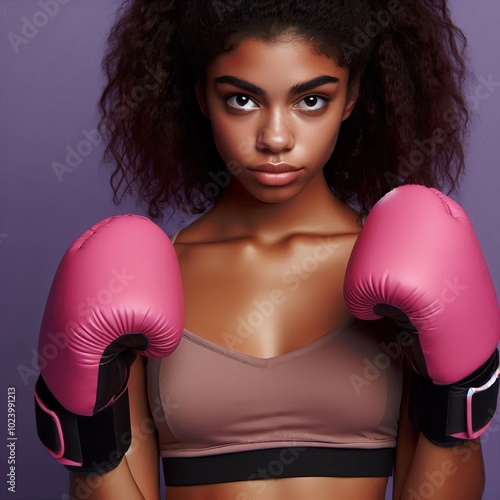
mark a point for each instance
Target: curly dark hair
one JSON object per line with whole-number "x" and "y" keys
{"x": 409, "y": 124}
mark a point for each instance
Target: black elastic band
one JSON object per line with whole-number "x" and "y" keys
{"x": 440, "y": 410}
{"x": 97, "y": 442}
{"x": 278, "y": 463}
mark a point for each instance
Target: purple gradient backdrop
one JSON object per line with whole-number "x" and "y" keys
{"x": 49, "y": 89}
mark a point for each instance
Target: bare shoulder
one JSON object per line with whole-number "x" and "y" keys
{"x": 199, "y": 231}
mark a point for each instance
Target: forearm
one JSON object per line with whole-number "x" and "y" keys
{"x": 443, "y": 473}
{"x": 117, "y": 484}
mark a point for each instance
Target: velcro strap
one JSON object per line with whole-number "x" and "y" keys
{"x": 448, "y": 414}
{"x": 85, "y": 445}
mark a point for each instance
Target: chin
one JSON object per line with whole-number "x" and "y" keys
{"x": 275, "y": 195}
{"x": 252, "y": 192}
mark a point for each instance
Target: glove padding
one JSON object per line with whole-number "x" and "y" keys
{"x": 117, "y": 291}
{"x": 417, "y": 260}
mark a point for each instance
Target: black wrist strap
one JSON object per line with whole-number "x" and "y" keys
{"x": 450, "y": 414}
{"x": 85, "y": 445}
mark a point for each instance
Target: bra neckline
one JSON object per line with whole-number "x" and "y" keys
{"x": 274, "y": 360}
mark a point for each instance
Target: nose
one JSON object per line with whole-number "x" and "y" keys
{"x": 275, "y": 135}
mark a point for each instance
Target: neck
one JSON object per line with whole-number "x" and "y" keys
{"x": 243, "y": 215}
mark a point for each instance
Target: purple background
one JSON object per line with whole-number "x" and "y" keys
{"x": 49, "y": 89}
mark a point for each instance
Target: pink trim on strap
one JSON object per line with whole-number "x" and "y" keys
{"x": 58, "y": 456}
{"x": 470, "y": 434}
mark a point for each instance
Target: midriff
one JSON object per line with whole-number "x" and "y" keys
{"x": 297, "y": 488}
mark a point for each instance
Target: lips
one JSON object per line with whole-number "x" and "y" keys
{"x": 275, "y": 168}
{"x": 276, "y": 174}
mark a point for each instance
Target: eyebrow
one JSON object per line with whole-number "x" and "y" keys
{"x": 296, "y": 89}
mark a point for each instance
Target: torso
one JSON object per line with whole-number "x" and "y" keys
{"x": 289, "y": 293}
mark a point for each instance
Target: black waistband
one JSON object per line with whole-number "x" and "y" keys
{"x": 276, "y": 463}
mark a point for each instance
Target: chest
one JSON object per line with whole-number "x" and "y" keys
{"x": 265, "y": 300}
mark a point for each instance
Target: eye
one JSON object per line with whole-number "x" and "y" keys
{"x": 241, "y": 102}
{"x": 313, "y": 103}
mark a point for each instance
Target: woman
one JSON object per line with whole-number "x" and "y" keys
{"x": 284, "y": 122}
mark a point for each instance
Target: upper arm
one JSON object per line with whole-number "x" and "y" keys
{"x": 407, "y": 438}
{"x": 142, "y": 456}
{"x": 425, "y": 470}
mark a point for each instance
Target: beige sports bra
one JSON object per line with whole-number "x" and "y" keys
{"x": 329, "y": 408}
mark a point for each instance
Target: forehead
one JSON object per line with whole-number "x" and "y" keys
{"x": 286, "y": 61}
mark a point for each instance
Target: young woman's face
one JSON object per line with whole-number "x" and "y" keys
{"x": 275, "y": 110}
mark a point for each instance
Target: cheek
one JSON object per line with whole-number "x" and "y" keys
{"x": 321, "y": 141}
{"x": 221, "y": 135}
{"x": 233, "y": 141}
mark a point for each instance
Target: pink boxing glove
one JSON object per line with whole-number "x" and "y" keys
{"x": 117, "y": 291}
{"x": 417, "y": 260}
